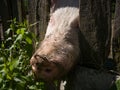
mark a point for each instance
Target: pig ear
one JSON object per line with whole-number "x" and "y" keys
{"x": 53, "y": 2}
{"x": 75, "y": 23}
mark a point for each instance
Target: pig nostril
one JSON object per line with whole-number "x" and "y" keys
{"x": 48, "y": 70}
{"x": 39, "y": 65}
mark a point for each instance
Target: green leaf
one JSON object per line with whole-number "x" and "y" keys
{"x": 8, "y": 77}
{"x": 19, "y": 38}
{"x": 8, "y": 31}
{"x": 17, "y": 79}
{"x": 1, "y": 80}
{"x": 118, "y": 84}
{"x": 28, "y": 40}
{"x": 14, "y": 63}
{"x": 21, "y": 31}
{"x": 11, "y": 47}
{"x": 18, "y": 31}
{"x": 1, "y": 66}
{"x": 8, "y": 39}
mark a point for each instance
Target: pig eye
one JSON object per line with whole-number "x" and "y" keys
{"x": 62, "y": 69}
{"x": 48, "y": 70}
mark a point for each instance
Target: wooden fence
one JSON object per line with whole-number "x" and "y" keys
{"x": 10, "y": 9}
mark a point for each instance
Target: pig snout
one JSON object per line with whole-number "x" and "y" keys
{"x": 37, "y": 61}
{"x": 44, "y": 69}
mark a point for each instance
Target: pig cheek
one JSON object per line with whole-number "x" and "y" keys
{"x": 49, "y": 76}
{"x": 46, "y": 73}
{"x": 64, "y": 62}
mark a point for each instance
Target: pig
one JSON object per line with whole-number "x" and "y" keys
{"x": 59, "y": 51}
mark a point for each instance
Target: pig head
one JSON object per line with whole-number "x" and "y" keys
{"x": 59, "y": 51}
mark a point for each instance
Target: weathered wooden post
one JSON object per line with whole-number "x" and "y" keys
{"x": 1, "y": 30}
{"x": 4, "y": 13}
{"x": 95, "y": 25}
{"x": 116, "y": 36}
{"x": 38, "y": 17}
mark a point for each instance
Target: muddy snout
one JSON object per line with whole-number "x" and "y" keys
{"x": 45, "y": 69}
{"x": 38, "y": 62}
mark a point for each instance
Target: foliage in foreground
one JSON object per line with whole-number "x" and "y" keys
{"x": 15, "y": 53}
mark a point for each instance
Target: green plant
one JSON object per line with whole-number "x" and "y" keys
{"x": 15, "y": 53}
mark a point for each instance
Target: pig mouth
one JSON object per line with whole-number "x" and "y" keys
{"x": 45, "y": 69}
